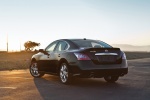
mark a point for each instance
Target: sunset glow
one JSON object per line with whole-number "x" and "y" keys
{"x": 113, "y": 21}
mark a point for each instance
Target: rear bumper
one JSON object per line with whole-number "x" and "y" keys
{"x": 89, "y": 69}
{"x": 102, "y": 73}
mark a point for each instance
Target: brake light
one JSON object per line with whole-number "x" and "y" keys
{"x": 81, "y": 56}
{"x": 124, "y": 56}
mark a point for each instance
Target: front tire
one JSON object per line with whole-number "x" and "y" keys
{"x": 64, "y": 74}
{"x": 34, "y": 70}
{"x": 111, "y": 79}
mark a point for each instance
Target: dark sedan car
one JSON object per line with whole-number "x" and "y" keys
{"x": 83, "y": 58}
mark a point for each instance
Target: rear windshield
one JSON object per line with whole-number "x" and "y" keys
{"x": 91, "y": 44}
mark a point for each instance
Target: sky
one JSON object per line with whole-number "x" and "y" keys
{"x": 43, "y": 21}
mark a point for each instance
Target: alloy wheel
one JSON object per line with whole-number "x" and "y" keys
{"x": 34, "y": 70}
{"x": 64, "y": 73}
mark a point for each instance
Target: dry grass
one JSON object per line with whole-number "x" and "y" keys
{"x": 21, "y": 60}
{"x": 137, "y": 55}
{"x": 15, "y": 61}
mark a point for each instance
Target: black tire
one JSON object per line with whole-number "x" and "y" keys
{"x": 34, "y": 70}
{"x": 111, "y": 79}
{"x": 64, "y": 74}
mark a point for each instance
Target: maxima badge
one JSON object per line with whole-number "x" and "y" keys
{"x": 106, "y": 50}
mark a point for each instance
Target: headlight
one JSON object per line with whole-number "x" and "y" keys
{"x": 123, "y": 55}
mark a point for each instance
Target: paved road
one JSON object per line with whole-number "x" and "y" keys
{"x": 19, "y": 85}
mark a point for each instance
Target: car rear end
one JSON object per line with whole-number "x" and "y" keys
{"x": 99, "y": 61}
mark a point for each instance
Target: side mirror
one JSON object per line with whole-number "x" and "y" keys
{"x": 41, "y": 50}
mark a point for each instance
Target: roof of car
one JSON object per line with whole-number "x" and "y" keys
{"x": 77, "y": 39}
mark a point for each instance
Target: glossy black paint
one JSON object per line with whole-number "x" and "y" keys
{"x": 81, "y": 68}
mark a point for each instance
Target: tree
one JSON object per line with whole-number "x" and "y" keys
{"x": 29, "y": 45}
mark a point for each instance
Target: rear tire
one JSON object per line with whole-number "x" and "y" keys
{"x": 111, "y": 79}
{"x": 34, "y": 70}
{"x": 64, "y": 74}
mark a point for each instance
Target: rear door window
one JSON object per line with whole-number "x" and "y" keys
{"x": 62, "y": 46}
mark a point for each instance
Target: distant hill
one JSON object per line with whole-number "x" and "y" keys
{"x": 127, "y": 47}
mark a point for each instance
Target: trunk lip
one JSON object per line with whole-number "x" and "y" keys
{"x": 105, "y": 54}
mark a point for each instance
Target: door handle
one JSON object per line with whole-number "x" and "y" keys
{"x": 48, "y": 55}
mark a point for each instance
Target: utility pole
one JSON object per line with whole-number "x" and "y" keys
{"x": 7, "y": 42}
{"x": 20, "y": 46}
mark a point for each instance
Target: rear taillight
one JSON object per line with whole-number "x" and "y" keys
{"x": 81, "y": 56}
{"x": 124, "y": 56}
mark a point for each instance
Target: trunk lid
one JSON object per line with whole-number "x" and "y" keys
{"x": 104, "y": 55}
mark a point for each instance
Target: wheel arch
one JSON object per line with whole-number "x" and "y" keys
{"x": 62, "y": 60}
{"x": 33, "y": 59}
